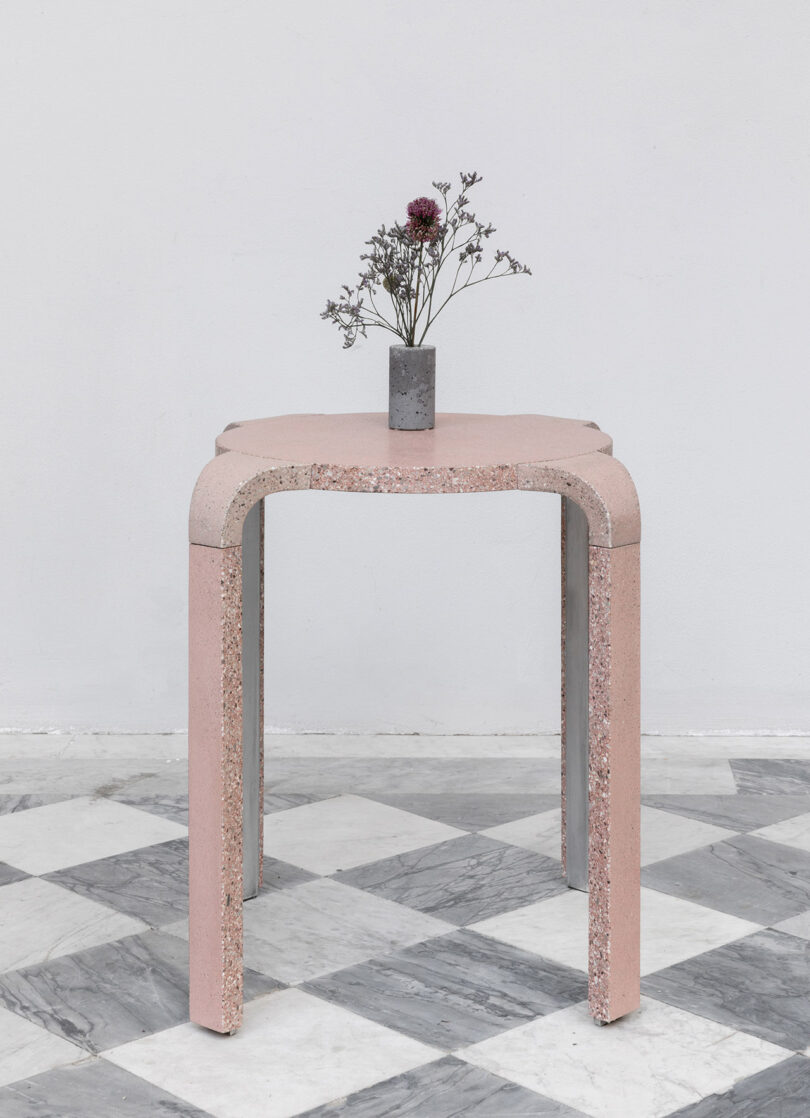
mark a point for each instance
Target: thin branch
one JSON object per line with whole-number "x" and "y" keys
{"x": 400, "y": 261}
{"x": 463, "y": 288}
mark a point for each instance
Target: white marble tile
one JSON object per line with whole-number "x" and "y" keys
{"x": 40, "y": 921}
{"x": 346, "y": 831}
{"x": 540, "y": 833}
{"x": 149, "y": 747}
{"x": 294, "y": 1052}
{"x": 796, "y": 925}
{"x": 322, "y": 926}
{"x": 152, "y": 747}
{"x": 556, "y": 928}
{"x": 81, "y": 776}
{"x": 80, "y": 830}
{"x": 675, "y": 776}
{"x": 791, "y": 832}
{"x": 663, "y": 834}
{"x": 174, "y": 745}
{"x": 671, "y": 929}
{"x": 699, "y": 746}
{"x": 26, "y": 1049}
{"x": 412, "y": 745}
{"x": 379, "y": 776}
{"x": 21, "y": 746}
{"x": 646, "y": 1065}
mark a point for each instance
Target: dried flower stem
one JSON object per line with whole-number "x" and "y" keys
{"x": 402, "y": 270}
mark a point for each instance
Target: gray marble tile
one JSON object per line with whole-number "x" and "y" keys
{"x": 370, "y": 775}
{"x": 150, "y": 883}
{"x": 782, "y": 1091}
{"x": 738, "y": 813}
{"x": 759, "y": 984}
{"x": 11, "y": 803}
{"x": 281, "y": 875}
{"x": 95, "y": 1089}
{"x": 448, "y": 1088}
{"x": 167, "y": 805}
{"x": 454, "y": 989}
{"x": 471, "y": 811}
{"x": 745, "y": 876}
{"x": 155, "y": 779}
{"x": 81, "y": 777}
{"x": 10, "y": 873}
{"x": 771, "y": 777}
{"x": 463, "y": 880}
{"x": 111, "y": 994}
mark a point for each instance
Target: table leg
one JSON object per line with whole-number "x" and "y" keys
{"x": 215, "y": 786}
{"x": 614, "y": 782}
{"x": 574, "y": 695}
{"x": 252, "y": 698}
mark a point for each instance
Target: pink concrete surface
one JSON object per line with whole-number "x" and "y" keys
{"x": 463, "y": 453}
{"x": 215, "y": 787}
{"x": 614, "y": 782}
{"x": 228, "y": 488}
{"x": 363, "y": 439}
{"x": 358, "y": 453}
{"x": 600, "y": 485}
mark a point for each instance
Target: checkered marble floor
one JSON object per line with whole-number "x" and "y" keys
{"x": 414, "y": 951}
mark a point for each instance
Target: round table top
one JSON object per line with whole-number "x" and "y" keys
{"x": 363, "y": 439}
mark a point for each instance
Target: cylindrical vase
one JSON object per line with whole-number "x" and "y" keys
{"x": 411, "y": 387}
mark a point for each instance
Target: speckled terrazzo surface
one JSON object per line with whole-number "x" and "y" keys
{"x": 613, "y": 780}
{"x": 413, "y": 952}
{"x": 464, "y": 453}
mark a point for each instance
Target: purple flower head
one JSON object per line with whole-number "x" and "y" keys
{"x": 423, "y": 224}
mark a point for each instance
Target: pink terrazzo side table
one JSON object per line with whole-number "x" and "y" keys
{"x": 600, "y": 656}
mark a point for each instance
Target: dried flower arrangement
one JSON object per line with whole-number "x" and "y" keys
{"x": 406, "y": 261}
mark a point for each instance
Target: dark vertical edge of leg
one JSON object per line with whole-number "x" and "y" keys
{"x": 563, "y": 736}
{"x": 575, "y": 690}
{"x": 261, "y": 694}
{"x": 251, "y": 692}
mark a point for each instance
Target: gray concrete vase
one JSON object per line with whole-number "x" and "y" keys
{"x": 411, "y": 387}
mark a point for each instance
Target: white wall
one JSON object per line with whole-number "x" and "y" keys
{"x": 185, "y": 183}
